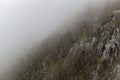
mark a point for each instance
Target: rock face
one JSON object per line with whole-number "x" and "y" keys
{"x": 107, "y": 41}
{"x": 109, "y": 49}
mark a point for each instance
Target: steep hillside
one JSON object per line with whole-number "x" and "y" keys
{"x": 90, "y": 52}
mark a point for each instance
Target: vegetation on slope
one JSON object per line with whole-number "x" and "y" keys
{"x": 54, "y": 60}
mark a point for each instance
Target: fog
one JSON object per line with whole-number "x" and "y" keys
{"x": 26, "y": 22}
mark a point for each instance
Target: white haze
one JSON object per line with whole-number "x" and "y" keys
{"x": 26, "y": 22}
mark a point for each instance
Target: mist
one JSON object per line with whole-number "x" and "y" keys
{"x": 23, "y": 23}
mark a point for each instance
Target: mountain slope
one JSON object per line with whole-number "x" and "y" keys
{"x": 89, "y": 52}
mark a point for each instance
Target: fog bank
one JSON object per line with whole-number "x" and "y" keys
{"x": 26, "y": 22}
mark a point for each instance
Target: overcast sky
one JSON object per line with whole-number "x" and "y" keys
{"x": 25, "y": 22}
